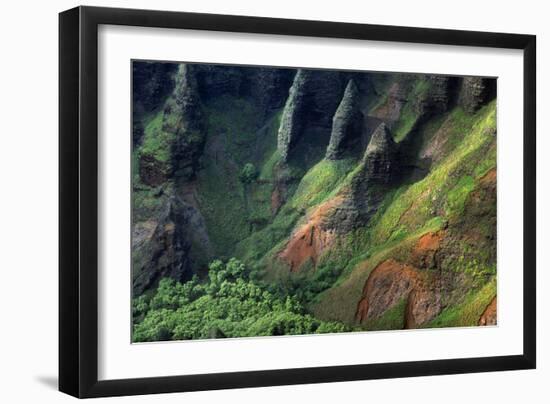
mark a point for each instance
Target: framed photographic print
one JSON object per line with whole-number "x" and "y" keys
{"x": 250, "y": 201}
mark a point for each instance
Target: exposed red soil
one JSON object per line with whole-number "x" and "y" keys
{"x": 391, "y": 281}
{"x": 423, "y": 253}
{"x": 416, "y": 278}
{"x": 424, "y": 302}
{"x": 428, "y": 242}
{"x": 310, "y": 240}
{"x": 387, "y": 284}
{"x": 490, "y": 178}
{"x": 489, "y": 316}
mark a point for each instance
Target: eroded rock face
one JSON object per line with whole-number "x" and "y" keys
{"x": 217, "y": 80}
{"x": 268, "y": 87}
{"x": 162, "y": 245}
{"x": 350, "y": 209}
{"x": 151, "y": 171}
{"x": 325, "y": 91}
{"x": 380, "y": 159}
{"x": 162, "y": 252}
{"x": 475, "y": 92}
{"x": 347, "y": 125}
{"x": 380, "y": 167}
{"x": 308, "y": 242}
{"x": 292, "y": 120}
{"x": 313, "y": 99}
{"x": 388, "y": 284}
{"x": 424, "y": 303}
{"x": 390, "y": 111}
{"x": 393, "y": 282}
{"x": 151, "y": 84}
{"x": 438, "y": 98}
{"x": 183, "y": 117}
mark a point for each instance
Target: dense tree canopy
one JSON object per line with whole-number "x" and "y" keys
{"x": 227, "y": 304}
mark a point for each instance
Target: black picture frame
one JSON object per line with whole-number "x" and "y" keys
{"x": 78, "y": 201}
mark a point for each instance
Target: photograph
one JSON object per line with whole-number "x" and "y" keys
{"x": 277, "y": 201}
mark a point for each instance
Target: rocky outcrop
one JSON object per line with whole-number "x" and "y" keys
{"x": 325, "y": 90}
{"x": 390, "y": 111}
{"x": 388, "y": 284}
{"x": 268, "y": 87}
{"x": 162, "y": 246}
{"x": 151, "y": 171}
{"x": 183, "y": 117}
{"x": 379, "y": 169}
{"x": 292, "y": 119}
{"x": 347, "y": 125}
{"x": 380, "y": 159}
{"x": 350, "y": 209}
{"x": 183, "y": 134}
{"x": 475, "y": 92}
{"x": 162, "y": 252}
{"x": 421, "y": 96}
{"x": 217, "y": 80}
{"x": 151, "y": 84}
{"x": 393, "y": 282}
{"x": 312, "y": 101}
{"x": 438, "y": 98}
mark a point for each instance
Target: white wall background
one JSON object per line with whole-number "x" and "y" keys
{"x": 28, "y": 202}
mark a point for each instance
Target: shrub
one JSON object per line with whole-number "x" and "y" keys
{"x": 248, "y": 174}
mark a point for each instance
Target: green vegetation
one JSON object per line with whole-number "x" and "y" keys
{"x": 267, "y": 170}
{"x": 248, "y": 174}
{"x": 456, "y": 197}
{"x": 469, "y": 311}
{"x": 357, "y": 260}
{"x": 156, "y": 142}
{"x": 254, "y": 248}
{"x": 410, "y": 111}
{"x": 320, "y": 182}
{"x": 412, "y": 210}
{"x": 227, "y": 304}
{"x": 316, "y": 186}
{"x": 392, "y": 319}
{"x": 233, "y": 151}
{"x": 252, "y": 205}
{"x": 411, "y": 206}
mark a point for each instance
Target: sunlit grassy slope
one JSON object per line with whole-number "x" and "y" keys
{"x": 413, "y": 210}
